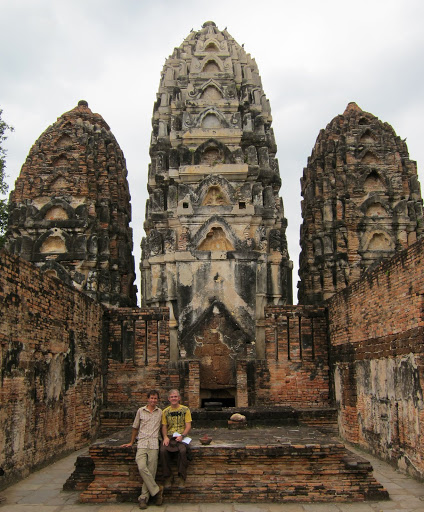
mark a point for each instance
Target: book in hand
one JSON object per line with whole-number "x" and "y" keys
{"x": 186, "y": 440}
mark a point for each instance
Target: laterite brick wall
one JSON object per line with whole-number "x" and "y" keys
{"x": 240, "y": 474}
{"x": 51, "y": 382}
{"x": 138, "y": 357}
{"x": 376, "y": 330}
{"x": 296, "y": 371}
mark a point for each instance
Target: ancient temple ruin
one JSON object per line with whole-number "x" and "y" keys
{"x": 70, "y": 208}
{"x": 217, "y": 319}
{"x": 215, "y": 251}
{"x": 361, "y": 203}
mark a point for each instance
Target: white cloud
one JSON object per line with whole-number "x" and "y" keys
{"x": 314, "y": 57}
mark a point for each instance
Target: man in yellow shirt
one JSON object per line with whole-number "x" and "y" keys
{"x": 176, "y": 424}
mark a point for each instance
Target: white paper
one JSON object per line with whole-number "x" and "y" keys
{"x": 186, "y": 440}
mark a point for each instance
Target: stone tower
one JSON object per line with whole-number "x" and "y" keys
{"x": 70, "y": 209}
{"x": 361, "y": 203}
{"x": 215, "y": 250}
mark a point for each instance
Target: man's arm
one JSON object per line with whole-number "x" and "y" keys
{"x": 186, "y": 430}
{"x": 165, "y": 435}
{"x": 133, "y": 436}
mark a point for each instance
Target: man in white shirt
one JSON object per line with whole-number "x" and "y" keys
{"x": 146, "y": 428}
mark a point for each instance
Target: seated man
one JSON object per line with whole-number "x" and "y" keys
{"x": 176, "y": 424}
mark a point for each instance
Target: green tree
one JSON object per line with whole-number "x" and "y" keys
{"x": 4, "y": 127}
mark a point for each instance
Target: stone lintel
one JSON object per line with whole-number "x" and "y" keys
{"x": 197, "y": 106}
{"x": 227, "y": 136}
{"x": 198, "y": 172}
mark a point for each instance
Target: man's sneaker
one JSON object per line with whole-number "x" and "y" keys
{"x": 142, "y": 503}
{"x": 180, "y": 482}
{"x": 168, "y": 482}
{"x": 159, "y": 496}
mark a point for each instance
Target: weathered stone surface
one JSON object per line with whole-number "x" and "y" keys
{"x": 50, "y": 365}
{"x": 239, "y": 466}
{"x": 361, "y": 203}
{"x": 70, "y": 208}
{"x": 215, "y": 251}
{"x": 376, "y": 330}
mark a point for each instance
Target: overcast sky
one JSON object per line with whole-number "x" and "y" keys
{"x": 314, "y": 57}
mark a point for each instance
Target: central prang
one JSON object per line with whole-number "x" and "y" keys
{"x": 214, "y": 209}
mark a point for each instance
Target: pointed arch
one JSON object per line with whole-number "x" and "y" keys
{"x": 368, "y": 137}
{"x": 214, "y": 181}
{"x": 215, "y": 196}
{"x": 211, "y": 45}
{"x": 212, "y": 65}
{"x": 211, "y": 111}
{"x": 53, "y": 241}
{"x": 54, "y": 269}
{"x": 220, "y": 235}
{"x": 210, "y": 120}
{"x": 377, "y": 241}
{"x": 56, "y": 209}
{"x": 374, "y": 183}
{"x": 59, "y": 183}
{"x": 211, "y": 93}
{"x": 375, "y": 210}
{"x": 370, "y": 158}
{"x": 201, "y": 153}
{"x": 215, "y": 240}
{"x": 53, "y": 244}
{"x": 64, "y": 141}
{"x": 61, "y": 161}
{"x": 212, "y": 156}
{"x": 56, "y": 213}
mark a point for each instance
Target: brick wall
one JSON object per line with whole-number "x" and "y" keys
{"x": 51, "y": 382}
{"x": 296, "y": 370}
{"x": 376, "y": 330}
{"x": 138, "y": 358}
{"x": 257, "y": 473}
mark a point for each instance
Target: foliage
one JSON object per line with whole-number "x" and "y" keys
{"x": 4, "y": 127}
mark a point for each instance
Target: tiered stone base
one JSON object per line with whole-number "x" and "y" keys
{"x": 279, "y": 464}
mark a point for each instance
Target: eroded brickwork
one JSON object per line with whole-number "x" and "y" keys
{"x": 296, "y": 369}
{"x": 137, "y": 356}
{"x": 361, "y": 203}
{"x": 376, "y": 330}
{"x": 51, "y": 382}
{"x": 258, "y": 473}
{"x": 70, "y": 208}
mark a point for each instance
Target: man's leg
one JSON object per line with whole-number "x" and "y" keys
{"x": 147, "y": 461}
{"x": 182, "y": 462}
{"x": 165, "y": 461}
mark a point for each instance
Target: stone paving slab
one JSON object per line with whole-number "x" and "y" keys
{"x": 283, "y": 435}
{"x": 28, "y": 495}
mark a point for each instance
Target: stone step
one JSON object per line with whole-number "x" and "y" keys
{"x": 283, "y": 464}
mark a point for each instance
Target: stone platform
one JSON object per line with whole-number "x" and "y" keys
{"x": 263, "y": 464}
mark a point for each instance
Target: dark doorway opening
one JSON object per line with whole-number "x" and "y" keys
{"x": 224, "y": 402}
